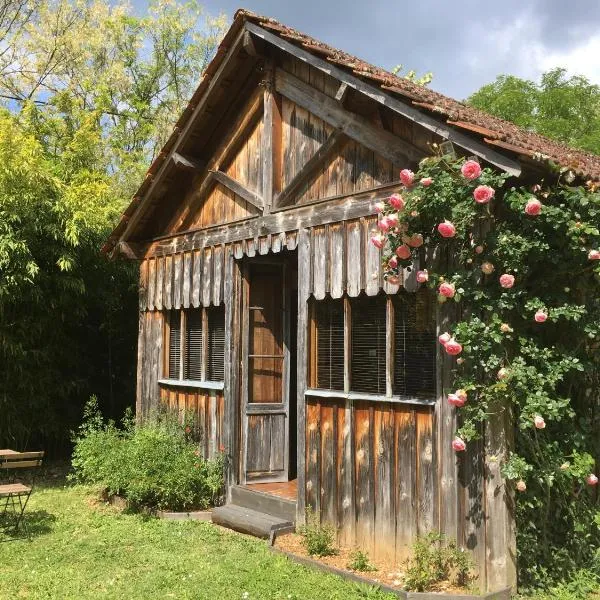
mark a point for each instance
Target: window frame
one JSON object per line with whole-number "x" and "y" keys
{"x": 347, "y": 392}
{"x": 203, "y": 382}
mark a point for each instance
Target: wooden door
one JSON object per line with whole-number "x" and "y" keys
{"x": 265, "y": 382}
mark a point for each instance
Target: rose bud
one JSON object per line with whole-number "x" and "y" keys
{"x": 502, "y": 373}
{"x": 521, "y": 485}
{"x": 478, "y": 249}
{"x": 458, "y": 445}
{"x": 379, "y": 207}
{"x": 415, "y": 240}
{"x": 384, "y": 223}
{"x": 592, "y": 479}
{"x": 594, "y": 254}
{"x": 393, "y": 262}
{"x": 506, "y": 328}
{"x": 426, "y": 181}
{"x": 422, "y": 276}
{"x": 444, "y": 338}
{"x": 454, "y": 400}
{"x": 540, "y": 316}
{"x": 539, "y": 422}
{"x": 378, "y": 241}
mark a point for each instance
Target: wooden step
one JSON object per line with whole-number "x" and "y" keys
{"x": 265, "y": 503}
{"x": 250, "y": 521}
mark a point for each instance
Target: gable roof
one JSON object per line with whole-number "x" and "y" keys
{"x": 495, "y": 132}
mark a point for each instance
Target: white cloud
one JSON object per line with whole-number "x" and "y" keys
{"x": 583, "y": 59}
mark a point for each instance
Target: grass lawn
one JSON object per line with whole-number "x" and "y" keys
{"x": 81, "y": 549}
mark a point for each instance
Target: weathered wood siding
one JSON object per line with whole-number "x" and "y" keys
{"x": 203, "y": 410}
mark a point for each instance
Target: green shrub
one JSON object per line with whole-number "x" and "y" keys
{"x": 433, "y": 560}
{"x": 318, "y": 539}
{"x": 152, "y": 465}
{"x": 359, "y": 561}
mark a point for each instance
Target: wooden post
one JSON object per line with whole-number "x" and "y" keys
{"x": 271, "y": 138}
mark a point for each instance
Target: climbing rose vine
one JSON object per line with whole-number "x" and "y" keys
{"x": 522, "y": 267}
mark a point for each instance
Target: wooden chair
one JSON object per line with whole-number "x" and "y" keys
{"x": 14, "y": 493}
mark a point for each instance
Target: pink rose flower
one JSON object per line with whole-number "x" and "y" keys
{"x": 393, "y": 262}
{"x": 507, "y": 281}
{"x": 539, "y": 422}
{"x": 458, "y": 445}
{"x": 379, "y": 207}
{"x": 378, "y": 241}
{"x": 540, "y": 316}
{"x": 502, "y": 374}
{"x": 594, "y": 254}
{"x": 478, "y": 249}
{"x": 422, "y": 276}
{"x": 403, "y": 252}
{"x": 447, "y": 229}
{"x": 536, "y": 187}
{"x": 506, "y": 328}
{"x": 447, "y": 289}
{"x": 460, "y": 361}
{"x": 426, "y": 181}
{"x": 392, "y": 220}
{"x": 462, "y": 394}
{"x": 533, "y": 207}
{"x": 393, "y": 279}
{"x": 483, "y": 194}
{"x": 453, "y": 347}
{"x": 397, "y": 201}
{"x": 414, "y": 213}
{"x": 592, "y": 479}
{"x": 383, "y": 224}
{"x": 415, "y": 240}
{"x": 521, "y": 485}
{"x": 444, "y": 338}
{"x": 471, "y": 170}
{"x": 407, "y": 177}
{"x": 487, "y": 268}
{"x": 455, "y": 400}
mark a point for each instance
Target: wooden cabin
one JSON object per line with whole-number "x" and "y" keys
{"x": 263, "y": 312}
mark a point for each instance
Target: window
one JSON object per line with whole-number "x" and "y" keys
{"x": 385, "y": 344}
{"x": 196, "y": 344}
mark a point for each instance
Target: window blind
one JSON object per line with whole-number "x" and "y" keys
{"x": 414, "y": 345}
{"x": 193, "y": 345}
{"x": 367, "y": 363}
{"x": 216, "y": 343}
{"x": 329, "y": 317}
{"x": 174, "y": 344}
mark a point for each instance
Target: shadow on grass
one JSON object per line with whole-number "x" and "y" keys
{"x": 36, "y": 524}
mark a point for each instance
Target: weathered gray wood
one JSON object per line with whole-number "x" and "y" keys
{"x": 197, "y": 278}
{"x": 217, "y": 295}
{"x": 143, "y": 285}
{"x": 301, "y": 367}
{"x": 249, "y": 521}
{"x": 406, "y": 473}
{"x": 185, "y": 163}
{"x": 212, "y": 432}
{"x": 363, "y": 456}
{"x": 425, "y": 478}
{"x": 431, "y": 123}
{"x": 337, "y": 260}
{"x": 342, "y": 93}
{"x": 151, "y": 283}
{"x": 158, "y": 292}
{"x": 238, "y": 188}
{"x": 187, "y": 279}
{"x": 354, "y": 258}
{"x": 207, "y": 277}
{"x": 373, "y": 274}
{"x": 320, "y": 254}
{"x": 267, "y": 142}
{"x": 177, "y": 280}
{"x": 264, "y": 502}
{"x": 139, "y": 388}
{"x": 384, "y": 488}
{"x": 310, "y": 168}
{"x": 354, "y": 126}
{"x": 168, "y": 280}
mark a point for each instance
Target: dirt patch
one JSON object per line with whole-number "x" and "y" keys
{"x": 387, "y": 572}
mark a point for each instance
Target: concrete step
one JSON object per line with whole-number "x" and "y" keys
{"x": 250, "y": 521}
{"x": 265, "y": 503}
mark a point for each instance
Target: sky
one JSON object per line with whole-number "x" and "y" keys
{"x": 465, "y": 43}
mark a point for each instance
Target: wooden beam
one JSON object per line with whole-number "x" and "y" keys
{"x": 342, "y": 93}
{"x": 268, "y": 137}
{"x": 335, "y": 140}
{"x": 237, "y": 188}
{"x": 185, "y": 163}
{"x": 252, "y": 46}
{"x": 375, "y": 93}
{"x": 130, "y": 250}
{"x": 354, "y": 126}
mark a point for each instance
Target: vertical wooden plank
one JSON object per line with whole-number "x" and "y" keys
{"x": 143, "y": 285}
{"x": 301, "y": 367}
{"x": 197, "y": 278}
{"x": 207, "y": 275}
{"x": 346, "y": 515}
{"x": 250, "y": 248}
{"x": 168, "y": 293}
{"x": 313, "y": 458}
{"x": 328, "y": 478}
{"x": 385, "y": 518}
{"x": 269, "y": 117}
{"x": 336, "y": 259}
{"x": 365, "y": 506}
{"x": 212, "y": 444}
{"x": 187, "y": 280}
{"x": 229, "y": 399}
{"x": 151, "y": 283}
{"x": 354, "y": 257}
{"x": 406, "y": 479}
{"x": 291, "y": 240}
{"x": 218, "y": 254}
{"x": 158, "y": 292}
{"x": 320, "y": 254}
{"x": 373, "y": 271}
{"x": 139, "y": 391}
{"x": 177, "y": 280}
{"x": 425, "y": 481}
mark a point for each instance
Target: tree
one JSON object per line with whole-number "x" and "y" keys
{"x": 560, "y": 107}
{"x": 90, "y": 93}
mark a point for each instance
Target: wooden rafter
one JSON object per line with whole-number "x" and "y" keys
{"x": 428, "y": 122}
{"x": 237, "y": 188}
{"x": 185, "y": 163}
{"x": 335, "y": 140}
{"x": 354, "y": 126}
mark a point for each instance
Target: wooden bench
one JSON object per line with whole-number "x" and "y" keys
{"x": 14, "y": 493}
